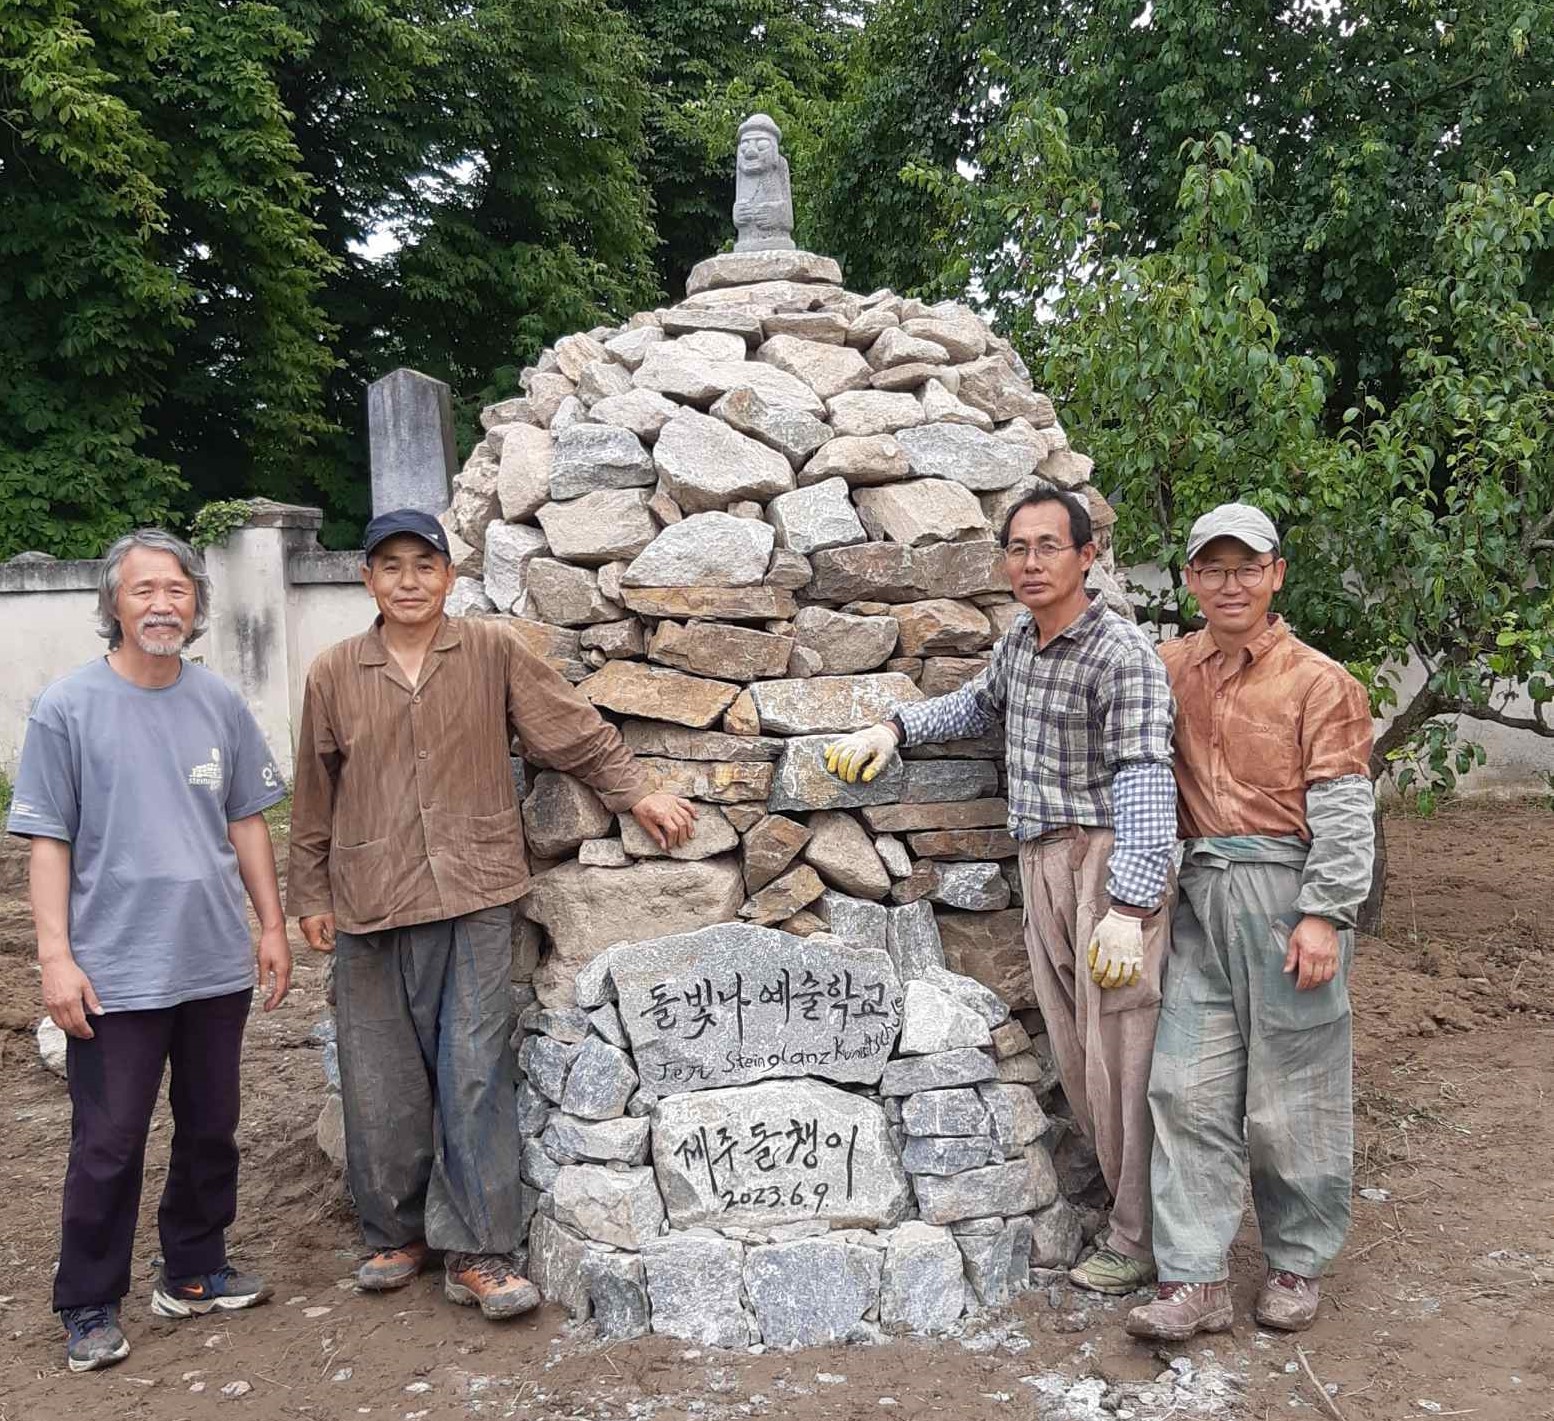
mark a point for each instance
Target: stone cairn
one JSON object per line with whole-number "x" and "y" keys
{"x": 770, "y": 1082}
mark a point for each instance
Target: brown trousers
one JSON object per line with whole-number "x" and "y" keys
{"x": 1103, "y": 1042}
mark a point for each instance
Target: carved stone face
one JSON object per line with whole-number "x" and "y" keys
{"x": 757, "y": 154}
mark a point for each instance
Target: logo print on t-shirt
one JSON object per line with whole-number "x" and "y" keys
{"x": 208, "y": 775}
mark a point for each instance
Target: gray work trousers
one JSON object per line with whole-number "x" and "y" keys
{"x": 426, "y": 1075}
{"x": 1247, "y": 1066}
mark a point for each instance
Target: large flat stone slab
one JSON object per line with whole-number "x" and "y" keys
{"x": 811, "y": 1291}
{"x": 760, "y": 1155}
{"x": 748, "y": 268}
{"x": 695, "y": 1284}
{"x": 736, "y": 1003}
{"x": 803, "y": 782}
{"x": 820, "y": 704}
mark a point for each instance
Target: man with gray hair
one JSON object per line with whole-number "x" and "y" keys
{"x": 142, "y": 787}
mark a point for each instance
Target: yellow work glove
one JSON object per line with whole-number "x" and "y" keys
{"x": 1117, "y": 951}
{"x": 863, "y": 753}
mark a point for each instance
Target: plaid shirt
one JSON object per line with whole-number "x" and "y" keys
{"x": 1087, "y": 737}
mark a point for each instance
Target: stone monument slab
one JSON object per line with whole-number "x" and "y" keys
{"x": 761, "y": 1155}
{"x": 736, "y": 1003}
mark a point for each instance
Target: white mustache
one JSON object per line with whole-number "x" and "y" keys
{"x": 161, "y": 622}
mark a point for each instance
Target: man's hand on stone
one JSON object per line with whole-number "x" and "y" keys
{"x": 69, "y": 998}
{"x": 863, "y": 754}
{"x": 319, "y": 931}
{"x": 1116, "y": 954}
{"x": 275, "y": 964}
{"x": 668, "y": 818}
{"x": 1313, "y": 953}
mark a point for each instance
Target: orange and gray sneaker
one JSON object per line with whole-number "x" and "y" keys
{"x": 1288, "y": 1302}
{"x": 391, "y": 1268}
{"x": 489, "y": 1281}
{"x": 225, "y": 1290}
{"x": 1181, "y": 1310}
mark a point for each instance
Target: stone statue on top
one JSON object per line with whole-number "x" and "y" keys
{"x": 763, "y": 196}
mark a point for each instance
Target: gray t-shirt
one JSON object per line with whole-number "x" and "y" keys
{"x": 142, "y": 784}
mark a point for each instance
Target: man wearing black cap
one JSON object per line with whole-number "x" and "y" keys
{"x": 406, "y": 858}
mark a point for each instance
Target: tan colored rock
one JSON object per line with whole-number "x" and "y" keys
{"x": 866, "y": 328}
{"x": 873, "y": 570}
{"x": 643, "y": 412}
{"x": 717, "y": 781}
{"x": 803, "y": 924}
{"x": 964, "y": 569}
{"x": 560, "y": 812}
{"x": 993, "y": 386}
{"x": 962, "y": 814}
{"x": 770, "y": 847}
{"x": 865, "y": 412}
{"x": 845, "y": 644}
{"x": 940, "y": 406}
{"x": 744, "y": 817}
{"x": 827, "y": 327}
{"x": 789, "y": 570}
{"x": 547, "y": 392}
{"x": 909, "y": 666}
{"x": 827, "y": 369}
{"x": 728, "y": 320}
{"x": 1066, "y": 469}
{"x": 921, "y": 511}
{"x": 897, "y": 346}
{"x": 601, "y": 379}
{"x": 802, "y": 662}
{"x": 863, "y": 460}
{"x": 523, "y": 476}
{"x": 616, "y": 641}
{"x": 584, "y": 910}
{"x": 630, "y": 688}
{"x": 575, "y": 353}
{"x": 907, "y": 379}
{"x": 722, "y": 604}
{"x": 749, "y": 268}
{"x": 943, "y": 674}
{"x": 741, "y": 717}
{"x": 960, "y": 332}
{"x": 963, "y": 844}
{"x": 631, "y": 347}
{"x": 713, "y": 649}
{"x": 712, "y": 835}
{"x": 1010, "y": 1039}
{"x": 664, "y": 508}
{"x": 555, "y": 646}
{"x": 567, "y": 596}
{"x": 611, "y": 525}
{"x": 655, "y": 737}
{"x": 475, "y": 500}
{"x": 941, "y": 625}
{"x": 784, "y": 897}
{"x": 792, "y": 433}
{"x": 705, "y": 465}
{"x": 991, "y": 948}
{"x": 840, "y": 851}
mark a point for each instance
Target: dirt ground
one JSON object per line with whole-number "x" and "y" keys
{"x": 1441, "y": 1306}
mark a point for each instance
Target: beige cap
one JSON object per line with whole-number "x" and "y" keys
{"x": 1233, "y": 520}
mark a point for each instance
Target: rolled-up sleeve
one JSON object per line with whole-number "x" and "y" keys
{"x": 559, "y": 729}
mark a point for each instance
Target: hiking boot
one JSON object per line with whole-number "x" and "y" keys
{"x": 1107, "y": 1271}
{"x": 1288, "y": 1302}
{"x": 225, "y": 1290}
{"x": 490, "y": 1281}
{"x": 391, "y": 1268}
{"x": 1181, "y": 1310}
{"x": 92, "y": 1337}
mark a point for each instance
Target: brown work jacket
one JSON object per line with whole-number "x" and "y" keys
{"x": 403, "y": 805}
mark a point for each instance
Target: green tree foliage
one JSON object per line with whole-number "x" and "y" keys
{"x": 711, "y": 64}
{"x": 1372, "y": 116}
{"x": 156, "y": 292}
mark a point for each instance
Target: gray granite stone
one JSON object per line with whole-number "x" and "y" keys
{"x": 509, "y": 550}
{"x": 980, "y": 461}
{"x": 812, "y": 1291}
{"x": 912, "y": 940}
{"x": 613, "y": 1206}
{"x": 989, "y": 1260}
{"x": 1017, "y": 1116}
{"x": 858, "y": 922}
{"x": 958, "y": 1111}
{"x": 983, "y": 1000}
{"x": 546, "y": 1065}
{"x": 948, "y": 781}
{"x": 802, "y": 781}
{"x": 533, "y": 1109}
{"x": 794, "y": 434}
{"x": 706, "y": 465}
{"x": 976, "y": 887}
{"x": 830, "y": 704}
{"x": 704, "y": 550}
{"x": 569, "y": 1139}
{"x": 733, "y": 1003}
{"x": 922, "y": 1287}
{"x": 1018, "y": 1186}
{"x": 776, "y": 1153}
{"x": 600, "y": 1083}
{"x": 537, "y": 1167}
{"x": 1057, "y": 1236}
{"x": 607, "y": 1022}
{"x": 591, "y": 457}
{"x": 912, "y": 1074}
{"x": 695, "y": 1284}
{"x": 616, "y": 1284}
{"x": 815, "y": 517}
{"x": 933, "y": 1021}
{"x": 566, "y": 1024}
{"x": 948, "y": 1154}
{"x": 556, "y": 1256}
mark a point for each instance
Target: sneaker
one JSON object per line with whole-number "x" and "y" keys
{"x": 225, "y": 1290}
{"x": 1180, "y": 1310}
{"x": 391, "y": 1268}
{"x": 490, "y": 1281}
{"x": 92, "y": 1337}
{"x": 1107, "y": 1271}
{"x": 1288, "y": 1302}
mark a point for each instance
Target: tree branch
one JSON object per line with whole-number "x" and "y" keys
{"x": 1534, "y": 722}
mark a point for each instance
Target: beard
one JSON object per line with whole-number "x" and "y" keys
{"x": 152, "y": 646}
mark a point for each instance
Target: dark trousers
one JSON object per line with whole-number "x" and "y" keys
{"x": 114, "y": 1080}
{"x": 426, "y": 1077}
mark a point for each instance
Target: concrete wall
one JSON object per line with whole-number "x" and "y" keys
{"x": 278, "y": 599}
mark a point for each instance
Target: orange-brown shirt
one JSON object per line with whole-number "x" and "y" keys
{"x": 403, "y": 807}
{"x": 1252, "y": 734}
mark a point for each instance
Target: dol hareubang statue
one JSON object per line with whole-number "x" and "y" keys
{"x": 763, "y": 197}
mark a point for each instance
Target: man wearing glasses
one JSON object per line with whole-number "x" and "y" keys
{"x": 1086, "y": 711}
{"x": 1273, "y": 745}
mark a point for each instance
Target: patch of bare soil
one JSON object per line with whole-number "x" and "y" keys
{"x": 1441, "y": 1306}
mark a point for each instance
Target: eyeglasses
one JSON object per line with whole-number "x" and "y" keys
{"x": 1045, "y": 550}
{"x": 1248, "y": 574}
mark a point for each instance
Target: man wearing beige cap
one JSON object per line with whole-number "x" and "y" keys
{"x": 1252, "y": 1056}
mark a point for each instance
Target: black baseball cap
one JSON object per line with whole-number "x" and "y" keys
{"x": 406, "y": 520}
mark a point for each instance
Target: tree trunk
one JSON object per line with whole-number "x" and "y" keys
{"x": 1370, "y": 910}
